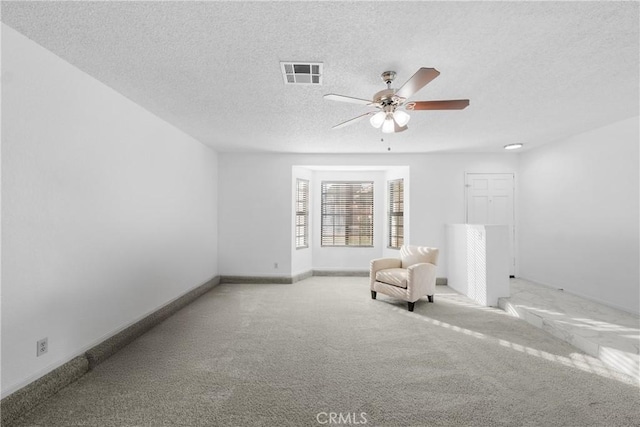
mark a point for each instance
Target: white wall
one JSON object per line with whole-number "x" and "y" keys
{"x": 255, "y": 202}
{"x": 108, "y": 212}
{"x": 255, "y": 215}
{"x": 578, "y": 215}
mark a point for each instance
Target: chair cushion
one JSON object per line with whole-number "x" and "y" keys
{"x": 415, "y": 254}
{"x": 393, "y": 276}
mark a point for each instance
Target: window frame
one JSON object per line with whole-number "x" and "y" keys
{"x": 302, "y": 214}
{"x": 395, "y": 213}
{"x": 348, "y": 219}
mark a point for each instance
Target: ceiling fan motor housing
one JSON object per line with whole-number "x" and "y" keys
{"x": 384, "y": 97}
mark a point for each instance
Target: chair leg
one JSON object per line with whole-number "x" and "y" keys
{"x": 410, "y": 305}
{"x": 373, "y": 294}
{"x": 430, "y": 298}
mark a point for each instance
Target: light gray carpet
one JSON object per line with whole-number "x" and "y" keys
{"x": 278, "y": 355}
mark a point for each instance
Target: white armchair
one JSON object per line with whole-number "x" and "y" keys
{"x": 408, "y": 278}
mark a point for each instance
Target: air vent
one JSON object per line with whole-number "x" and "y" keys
{"x": 305, "y": 73}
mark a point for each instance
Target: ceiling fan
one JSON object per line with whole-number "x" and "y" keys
{"x": 391, "y": 117}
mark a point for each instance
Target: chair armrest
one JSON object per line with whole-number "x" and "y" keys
{"x": 421, "y": 280}
{"x": 381, "y": 264}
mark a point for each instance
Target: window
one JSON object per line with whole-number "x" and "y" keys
{"x": 396, "y": 213}
{"x": 347, "y": 214}
{"x": 302, "y": 213}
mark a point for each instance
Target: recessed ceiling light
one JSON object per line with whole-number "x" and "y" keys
{"x": 513, "y": 146}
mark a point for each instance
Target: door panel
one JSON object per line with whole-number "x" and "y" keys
{"x": 480, "y": 184}
{"x": 480, "y": 209}
{"x": 501, "y": 210}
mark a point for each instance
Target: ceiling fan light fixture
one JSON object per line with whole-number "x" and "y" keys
{"x": 513, "y": 146}
{"x": 388, "y": 126}
{"x": 378, "y": 119}
{"x": 401, "y": 117}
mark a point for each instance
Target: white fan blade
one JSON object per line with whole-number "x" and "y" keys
{"x": 342, "y": 98}
{"x": 351, "y": 121}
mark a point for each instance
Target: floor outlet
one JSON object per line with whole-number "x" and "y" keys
{"x": 43, "y": 346}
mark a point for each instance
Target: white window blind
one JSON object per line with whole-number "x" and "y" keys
{"x": 302, "y": 213}
{"x": 347, "y": 213}
{"x": 396, "y": 213}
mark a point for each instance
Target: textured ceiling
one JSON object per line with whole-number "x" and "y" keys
{"x": 534, "y": 72}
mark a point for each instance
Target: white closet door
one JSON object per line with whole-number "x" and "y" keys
{"x": 489, "y": 200}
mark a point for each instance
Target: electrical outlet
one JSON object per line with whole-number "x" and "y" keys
{"x": 42, "y": 347}
{"x": 275, "y": 265}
